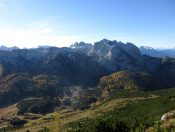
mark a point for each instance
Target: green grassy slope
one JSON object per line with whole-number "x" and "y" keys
{"x": 135, "y": 114}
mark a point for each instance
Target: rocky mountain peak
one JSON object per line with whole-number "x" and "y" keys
{"x": 104, "y": 41}
{"x": 80, "y": 45}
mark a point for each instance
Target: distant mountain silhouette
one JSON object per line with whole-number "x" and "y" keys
{"x": 4, "y": 48}
{"x": 157, "y": 52}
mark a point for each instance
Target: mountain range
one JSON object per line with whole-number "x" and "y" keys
{"x": 56, "y": 72}
{"x": 45, "y": 79}
{"x": 145, "y": 50}
{"x": 158, "y": 52}
{"x": 4, "y": 48}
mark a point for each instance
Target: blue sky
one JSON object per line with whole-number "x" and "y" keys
{"x": 29, "y": 23}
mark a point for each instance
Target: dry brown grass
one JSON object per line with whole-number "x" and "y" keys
{"x": 55, "y": 121}
{"x": 67, "y": 117}
{"x": 7, "y": 113}
{"x": 50, "y": 121}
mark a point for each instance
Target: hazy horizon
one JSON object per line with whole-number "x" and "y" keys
{"x": 31, "y": 23}
{"x": 38, "y": 46}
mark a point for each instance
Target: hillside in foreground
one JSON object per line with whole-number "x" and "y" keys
{"x": 127, "y": 111}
